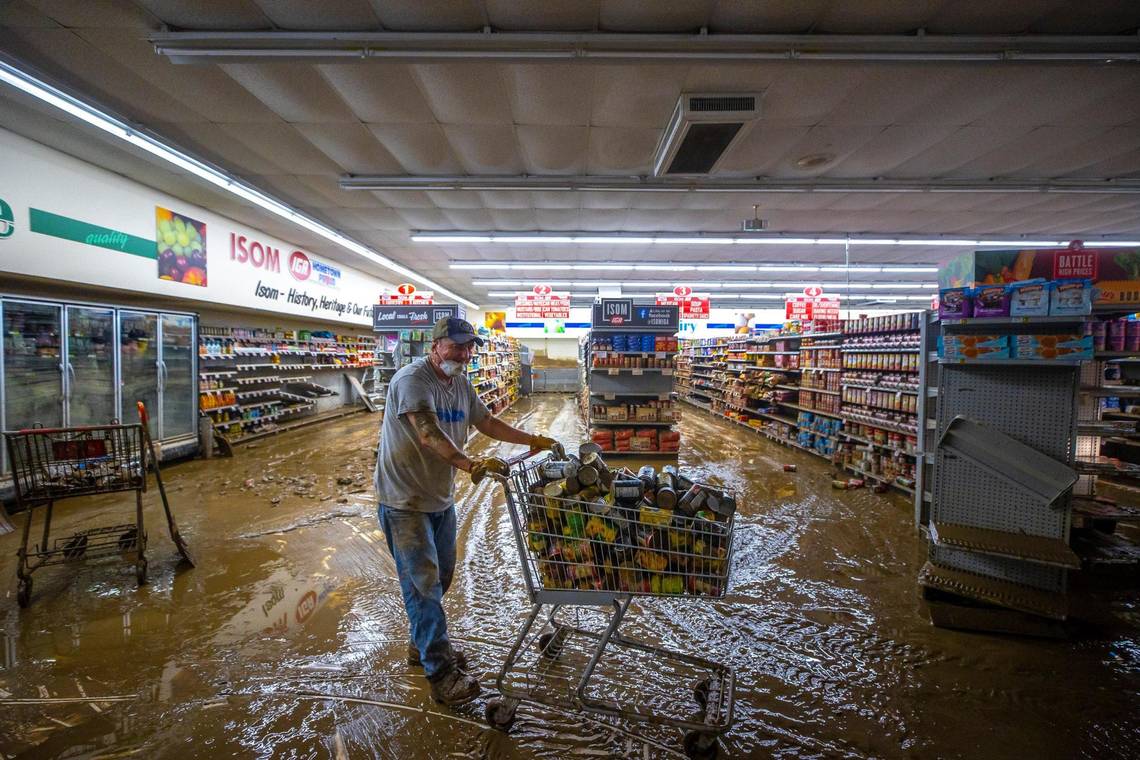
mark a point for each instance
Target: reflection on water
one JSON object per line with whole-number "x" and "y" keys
{"x": 289, "y": 637}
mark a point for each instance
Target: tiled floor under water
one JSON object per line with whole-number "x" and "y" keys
{"x": 288, "y": 639}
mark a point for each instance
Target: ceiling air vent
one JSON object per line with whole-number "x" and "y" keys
{"x": 702, "y": 129}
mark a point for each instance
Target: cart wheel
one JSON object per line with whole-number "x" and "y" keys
{"x": 550, "y": 645}
{"x": 129, "y": 541}
{"x": 140, "y": 571}
{"x": 500, "y": 716}
{"x": 24, "y": 591}
{"x": 701, "y": 692}
{"x": 701, "y": 746}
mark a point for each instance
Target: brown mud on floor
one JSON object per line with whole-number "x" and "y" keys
{"x": 288, "y": 639}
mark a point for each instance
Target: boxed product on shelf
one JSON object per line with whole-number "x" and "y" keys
{"x": 1030, "y": 298}
{"x": 958, "y": 347}
{"x": 1071, "y": 298}
{"x": 644, "y": 440}
{"x": 991, "y": 301}
{"x": 1052, "y": 347}
{"x": 956, "y": 303}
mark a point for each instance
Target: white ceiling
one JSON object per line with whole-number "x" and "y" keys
{"x": 293, "y": 129}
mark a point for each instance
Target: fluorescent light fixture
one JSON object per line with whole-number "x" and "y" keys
{"x": 888, "y": 268}
{"x": 726, "y": 268}
{"x": 99, "y": 119}
{"x": 786, "y": 268}
{"x": 695, "y": 241}
{"x": 452, "y": 239}
{"x": 615, "y": 240}
{"x": 665, "y": 267}
{"x": 533, "y": 239}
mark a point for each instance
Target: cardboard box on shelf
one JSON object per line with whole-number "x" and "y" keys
{"x": 1052, "y": 347}
{"x": 959, "y": 347}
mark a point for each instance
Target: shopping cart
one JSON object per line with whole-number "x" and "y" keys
{"x": 579, "y": 553}
{"x": 51, "y": 464}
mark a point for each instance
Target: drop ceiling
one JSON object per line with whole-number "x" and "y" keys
{"x": 295, "y": 128}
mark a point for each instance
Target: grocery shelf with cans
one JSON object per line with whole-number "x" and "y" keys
{"x": 628, "y": 401}
{"x": 251, "y": 379}
{"x": 847, "y": 391}
{"x": 495, "y": 371}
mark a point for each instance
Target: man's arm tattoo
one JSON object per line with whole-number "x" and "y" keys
{"x": 431, "y": 436}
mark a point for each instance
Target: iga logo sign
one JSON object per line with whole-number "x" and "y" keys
{"x": 300, "y": 266}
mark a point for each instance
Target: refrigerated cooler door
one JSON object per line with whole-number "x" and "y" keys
{"x": 138, "y": 355}
{"x": 89, "y": 383}
{"x": 33, "y": 382}
{"x": 178, "y": 384}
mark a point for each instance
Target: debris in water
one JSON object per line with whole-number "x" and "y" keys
{"x": 789, "y": 468}
{"x": 275, "y": 500}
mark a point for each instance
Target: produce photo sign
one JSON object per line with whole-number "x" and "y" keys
{"x": 181, "y": 246}
{"x": 542, "y": 303}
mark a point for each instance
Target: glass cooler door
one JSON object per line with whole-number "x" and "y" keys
{"x": 90, "y": 367}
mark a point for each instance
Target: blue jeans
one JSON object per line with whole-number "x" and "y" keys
{"x": 423, "y": 545}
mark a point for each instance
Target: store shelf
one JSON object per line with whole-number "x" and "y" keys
{"x": 883, "y": 350}
{"x": 818, "y": 390}
{"x": 888, "y": 389}
{"x": 879, "y": 478}
{"x": 1016, "y": 596}
{"x": 1112, "y": 390}
{"x": 773, "y": 353}
{"x": 983, "y": 321}
{"x": 880, "y": 426}
{"x": 1012, "y": 362}
{"x": 213, "y": 409}
{"x": 868, "y": 442}
{"x": 215, "y": 390}
{"x": 611, "y": 454}
{"x": 218, "y": 373}
{"x": 243, "y": 407}
{"x": 1038, "y": 549}
{"x": 821, "y": 369}
{"x": 630, "y": 423}
{"x": 654, "y": 354}
{"x": 809, "y": 409}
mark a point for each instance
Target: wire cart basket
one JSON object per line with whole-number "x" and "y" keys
{"x": 580, "y": 553}
{"x": 50, "y": 464}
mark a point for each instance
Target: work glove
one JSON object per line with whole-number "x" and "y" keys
{"x": 541, "y": 443}
{"x": 481, "y": 468}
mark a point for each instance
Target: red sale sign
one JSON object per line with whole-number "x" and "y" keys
{"x": 692, "y": 305}
{"x": 407, "y": 295}
{"x": 1075, "y": 263}
{"x": 809, "y": 308}
{"x": 542, "y": 304}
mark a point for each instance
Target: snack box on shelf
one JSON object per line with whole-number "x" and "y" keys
{"x": 1030, "y": 298}
{"x": 1052, "y": 347}
{"x": 959, "y": 347}
{"x": 956, "y": 303}
{"x": 991, "y": 301}
{"x": 1071, "y": 298}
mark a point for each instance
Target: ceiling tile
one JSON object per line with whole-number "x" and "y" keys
{"x": 506, "y": 199}
{"x": 486, "y": 148}
{"x": 326, "y": 186}
{"x": 549, "y": 15}
{"x": 426, "y": 218}
{"x": 380, "y": 93}
{"x": 420, "y": 148}
{"x": 1123, "y": 165}
{"x": 760, "y": 149}
{"x": 466, "y": 199}
{"x": 404, "y": 199}
{"x": 889, "y": 148}
{"x": 550, "y": 93}
{"x": 352, "y": 146}
{"x": 887, "y": 92}
{"x": 559, "y": 219}
{"x": 202, "y": 90}
{"x": 875, "y": 17}
{"x": 1090, "y": 17}
{"x": 96, "y": 14}
{"x": 220, "y": 15}
{"x": 656, "y": 16}
{"x": 212, "y": 142}
{"x": 1076, "y": 90}
{"x": 822, "y": 140}
{"x": 554, "y": 200}
{"x": 621, "y": 150}
{"x": 553, "y": 149}
{"x": 646, "y": 99}
{"x": 437, "y": 16}
{"x": 605, "y": 200}
{"x": 470, "y": 218}
{"x": 21, "y": 13}
{"x": 1027, "y": 149}
{"x": 807, "y": 94}
{"x": 282, "y": 144}
{"x": 465, "y": 93}
{"x": 519, "y": 219}
{"x": 964, "y": 145}
{"x": 327, "y": 15}
{"x": 294, "y": 91}
{"x": 773, "y": 17}
{"x": 94, "y": 74}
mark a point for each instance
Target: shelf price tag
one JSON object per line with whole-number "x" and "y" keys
{"x": 660, "y": 354}
{"x": 667, "y": 372}
{"x": 600, "y": 354}
{"x": 609, "y": 396}
{"x": 638, "y": 372}
{"x": 614, "y": 371}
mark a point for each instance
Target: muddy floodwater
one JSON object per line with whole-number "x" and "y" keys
{"x": 289, "y": 638}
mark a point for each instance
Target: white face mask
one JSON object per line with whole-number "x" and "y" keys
{"x": 450, "y": 368}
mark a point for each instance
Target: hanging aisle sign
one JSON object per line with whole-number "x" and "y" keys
{"x": 407, "y": 295}
{"x": 812, "y": 305}
{"x": 692, "y": 305}
{"x": 542, "y": 303}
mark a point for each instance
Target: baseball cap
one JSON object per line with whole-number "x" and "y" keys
{"x": 459, "y": 330}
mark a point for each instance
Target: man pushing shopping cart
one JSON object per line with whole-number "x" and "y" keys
{"x": 429, "y": 408}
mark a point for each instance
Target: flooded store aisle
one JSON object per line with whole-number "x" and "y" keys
{"x": 288, "y": 639}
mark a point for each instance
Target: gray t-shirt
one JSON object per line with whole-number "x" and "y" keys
{"x": 408, "y": 474}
